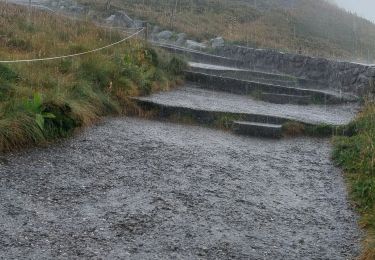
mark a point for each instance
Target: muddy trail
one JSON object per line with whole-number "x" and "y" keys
{"x": 135, "y": 189}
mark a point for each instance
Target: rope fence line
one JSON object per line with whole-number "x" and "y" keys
{"x": 122, "y": 29}
{"x": 76, "y": 54}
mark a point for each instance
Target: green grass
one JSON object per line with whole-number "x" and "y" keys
{"x": 42, "y": 101}
{"x": 356, "y": 155}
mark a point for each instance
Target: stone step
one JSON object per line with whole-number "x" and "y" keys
{"x": 206, "y": 116}
{"x": 208, "y": 107}
{"x": 204, "y": 62}
{"x": 238, "y": 65}
{"x": 285, "y": 99}
{"x": 199, "y": 56}
{"x": 257, "y": 129}
{"x": 258, "y": 76}
{"x": 245, "y": 87}
{"x": 240, "y": 73}
{"x": 192, "y": 104}
{"x": 241, "y": 69}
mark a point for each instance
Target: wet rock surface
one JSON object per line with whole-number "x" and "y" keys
{"x": 191, "y": 96}
{"x": 135, "y": 189}
{"x": 339, "y": 75}
{"x": 212, "y": 67}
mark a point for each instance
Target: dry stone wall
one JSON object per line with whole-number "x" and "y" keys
{"x": 340, "y": 76}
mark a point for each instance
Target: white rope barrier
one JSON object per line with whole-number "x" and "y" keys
{"x": 76, "y": 54}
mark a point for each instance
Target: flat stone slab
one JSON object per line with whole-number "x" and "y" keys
{"x": 285, "y": 99}
{"x": 253, "y": 75}
{"x": 257, "y": 129}
{"x": 248, "y": 87}
{"x": 213, "y": 67}
{"x": 199, "y": 56}
{"x": 190, "y": 96}
{"x": 217, "y": 68}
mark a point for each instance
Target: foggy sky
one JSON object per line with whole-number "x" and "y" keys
{"x": 364, "y": 8}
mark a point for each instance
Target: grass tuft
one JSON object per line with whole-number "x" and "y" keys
{"x": 293, "y": 129}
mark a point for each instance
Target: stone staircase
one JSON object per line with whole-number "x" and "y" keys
{"x": 256, "y": 88}
{"x": 254, "y": 75}
{"x": 222, "y": 92}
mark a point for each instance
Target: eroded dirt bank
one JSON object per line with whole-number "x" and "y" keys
{"x": 135, "y": 189}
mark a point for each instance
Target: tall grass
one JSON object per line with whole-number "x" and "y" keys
{"x": 356, "y": 154}
{"x": 45, "y": 100}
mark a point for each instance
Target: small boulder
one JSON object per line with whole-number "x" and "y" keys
{"x": 217, "y": 42}
{"x": 363, "y": 79}
{"x": 165, "y": 35}
{"x": 195, "y": 45}
{"x": 181, "y": 39}
{"x": 370, "y": 72}
{"x": 123, "y": 18}
{"x": 120, "y": 18}
{"x": 110, "y": 19}
{"x": 155, "y": 29}
{"x": 138, "y": 24}
{"x": 77, "y": 9}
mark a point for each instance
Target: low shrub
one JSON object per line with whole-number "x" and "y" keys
{"x": 20, "y": 44}
{"x": 7, "y": 74}
{"x": 176, "y": 66}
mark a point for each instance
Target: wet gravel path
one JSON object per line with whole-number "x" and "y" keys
{"x": 191, "y": 96}
{"x": 135, "y": 189}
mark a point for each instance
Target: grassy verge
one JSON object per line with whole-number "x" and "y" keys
{"x": 42, "y": 101}
{"x": 356, "y": 155}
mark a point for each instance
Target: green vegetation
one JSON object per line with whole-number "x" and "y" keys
{"x": 356, "y": 154}
{"x": 323, "y": 130}
{"x": 313, "y": 27}
{"x": 293, "y": 128}
{"x": 42, "y": 101}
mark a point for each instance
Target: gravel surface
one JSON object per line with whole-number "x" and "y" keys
{"x": 194, "y": 97}
{"x": 135, "y": 189}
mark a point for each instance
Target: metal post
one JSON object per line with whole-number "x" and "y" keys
{"x": 371, "y": 92}
{"x": 108, "y": 5}
{"x": 146, "y": 31}
{"x": 29, "y": 12}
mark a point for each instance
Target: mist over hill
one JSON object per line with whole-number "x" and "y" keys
{"x": 364, "y": 8}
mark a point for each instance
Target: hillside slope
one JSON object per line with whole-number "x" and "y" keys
{"x": 44, "y": 100}
{"x": 314, "y": 27}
